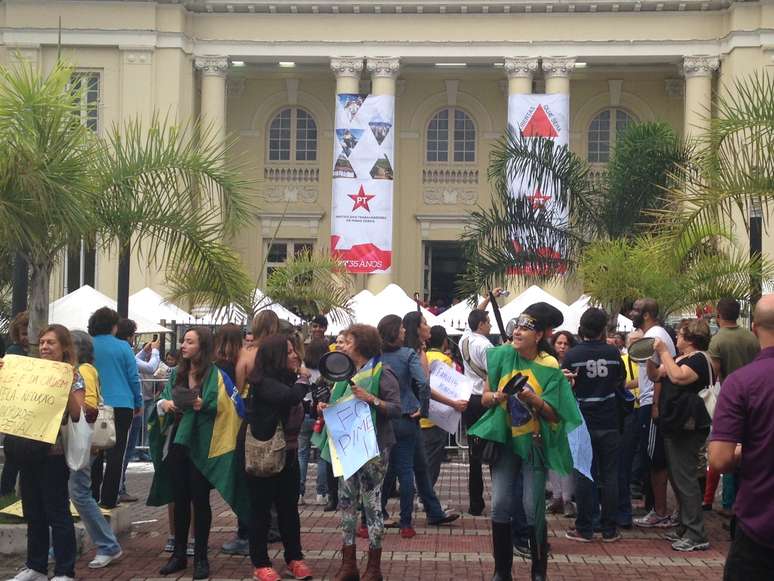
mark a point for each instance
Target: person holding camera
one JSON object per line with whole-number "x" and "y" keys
{"x": 530, "y": 409}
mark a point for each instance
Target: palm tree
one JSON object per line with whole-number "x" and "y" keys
{"x": 171, "y": 192}
{"x": 46, "y": 187}
{"x": 612, "y": 236}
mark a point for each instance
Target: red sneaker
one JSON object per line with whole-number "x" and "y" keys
{"x": 266, "y": 574}
{"x": 407, "y": 533}
{"x": 362, "y": 532}
{"x": 299, "y": 570}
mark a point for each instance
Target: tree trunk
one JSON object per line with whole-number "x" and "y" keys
{"x": 124, "y": 265}
{"x": 38, "y": 307}
{"x": 21, "y": 280}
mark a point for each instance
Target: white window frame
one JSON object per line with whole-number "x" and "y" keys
{"x": 451, "y": 140}
{"x": 293, "y": 137}
{"x": 612, "y": 132}
{"x": 291, "y": 250}
{"x": 84, "y": 104}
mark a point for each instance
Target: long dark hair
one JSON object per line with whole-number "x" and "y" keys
{"x": 228, "y": 344}
{"x": 411, "y": 323}
{"x": 389, "y": 330}
{"x": 271, "y": 360}
{"x": 314, "y": 352}
{"x": 202, "y": 361}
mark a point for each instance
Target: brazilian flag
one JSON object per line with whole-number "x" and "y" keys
{"x": 511, "y": 424}
{"x": 210, "y": 436}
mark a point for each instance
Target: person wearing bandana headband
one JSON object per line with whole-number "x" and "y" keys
{"x": 531, "y": 427}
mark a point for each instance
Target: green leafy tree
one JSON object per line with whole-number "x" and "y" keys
{"x": 47, "y": 194}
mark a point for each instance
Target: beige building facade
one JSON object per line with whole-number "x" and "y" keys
{"x": 265, "y": 73}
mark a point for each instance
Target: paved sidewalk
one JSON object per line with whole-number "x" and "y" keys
{"x": 460, "y": 551}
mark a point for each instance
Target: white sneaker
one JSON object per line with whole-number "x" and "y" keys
{"x": 321, "y": 499}
{"x": 29, "y": 575}
{"x": 104, "y": 560}
{"x": 62, "y": 578}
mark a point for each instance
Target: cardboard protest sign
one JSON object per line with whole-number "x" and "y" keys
{"x": 453, "y": 385}
{"x": 351, "y": 431}
{"x": 33, "y": 396}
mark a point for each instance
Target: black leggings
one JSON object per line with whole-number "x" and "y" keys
{"x": 104, "y": 486}
{"x": 189, "y": 486}
{"x": 282, "y": 491}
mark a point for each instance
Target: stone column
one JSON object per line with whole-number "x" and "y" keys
{"x": 698, "y": 71}
{"x": 384, "y": 74}
{"x": 213, "y": 106}
{"x": 520, "y": 71}
{"x": 347, "y": 70}
{"x": 557, "y": 71}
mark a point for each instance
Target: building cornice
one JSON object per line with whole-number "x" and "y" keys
{"x": 446, "y": 7}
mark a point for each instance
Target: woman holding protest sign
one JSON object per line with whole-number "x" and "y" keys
{"x": 278, "y": 384}
{"x": 532, "y": 408}
{"x": 377, "y": 385}
{"x": 44, "y": 477}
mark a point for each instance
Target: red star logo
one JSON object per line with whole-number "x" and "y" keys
{"x": 538, "y": 199}
{"x": 361, "y": 199}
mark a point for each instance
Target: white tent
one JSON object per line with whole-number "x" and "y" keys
{"x": 360, "y": 303}
{"x": 579, "y": 307}
{"x": 234, "y": 314}
{"x": 393, "y": 300}
{"x": 73, "y": 311}
{"x": 456, "y": 316}
{"x": 156, "y": 308}
{"x": 534, "y": 294}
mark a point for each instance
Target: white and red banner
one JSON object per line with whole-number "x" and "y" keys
{"x": 548, "y": 116}
{"x": 363, "y": 168}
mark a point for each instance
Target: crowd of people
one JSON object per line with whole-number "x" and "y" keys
{"x": 242, "y": 413}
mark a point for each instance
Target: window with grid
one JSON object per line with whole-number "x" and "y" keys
{"x": 293, "y": 136}
{"x": 80, "y": 266}
{"x": 279, "y": 251}
{"x": 85, "y": 88}
{"x": 451, "y": 136}
{"x": 602, "y": 133}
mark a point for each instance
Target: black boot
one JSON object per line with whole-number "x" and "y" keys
{"x": 538, "y": 548}
{"x": 503, "y": 551}
{"x": 177, "y": 562}
{"x": 201, "y": 568}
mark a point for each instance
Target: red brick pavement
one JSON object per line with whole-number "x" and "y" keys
{"x": 462, "y": 550}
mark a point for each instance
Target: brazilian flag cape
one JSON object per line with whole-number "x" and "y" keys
{"x": 368, "y": 378}
{"x": 549, "y": 383}
{"x": 211, "y": 438}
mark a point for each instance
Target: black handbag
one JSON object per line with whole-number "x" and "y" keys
{"x": 491, "y": 452}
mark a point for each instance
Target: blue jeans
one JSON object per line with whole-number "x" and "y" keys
{"x": 519, "y": 526}
{"x": 401, "y": 465}
{"x": 508, "y": 468}
{"x": 96, "y": 526}
{"x": 605, "y": 444}
{"x": 304, "y": 449}
{"x": 424, "y": 485}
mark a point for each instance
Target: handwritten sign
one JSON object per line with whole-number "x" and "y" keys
{"x": 453, "y": 385}
{"x": 33, "y": 396}
{"x": 351, "y": 431}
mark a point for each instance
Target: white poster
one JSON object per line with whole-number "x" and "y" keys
{"x": 453, "y": 385}
{"x": 363, "y": 168}
{"x": 545, "y": 116}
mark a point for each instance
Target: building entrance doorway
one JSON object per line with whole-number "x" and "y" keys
{"x": 444, "y": 262}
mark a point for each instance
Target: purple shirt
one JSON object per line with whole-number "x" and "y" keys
{"x": 745, "y": 415}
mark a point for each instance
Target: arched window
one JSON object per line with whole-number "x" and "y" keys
{"x": 292, "y": 136}
{"x": 604, "y": 129}
{"x": 451, "y": 137}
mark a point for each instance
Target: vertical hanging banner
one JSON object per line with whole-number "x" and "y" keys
{"x": 363, "y": 162}
{"x": 546, "y": 116}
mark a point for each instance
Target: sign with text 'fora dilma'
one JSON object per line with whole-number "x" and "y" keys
{"x": 363, "y": 168}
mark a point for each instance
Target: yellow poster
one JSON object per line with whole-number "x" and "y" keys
{"x": 16, "y": 510}
{"x": 338, "y": 469}
{"x": 33, "y": 396}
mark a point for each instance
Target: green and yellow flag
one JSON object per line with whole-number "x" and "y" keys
{"x": 210, "y": 436}
{"x": 509, "y": 423}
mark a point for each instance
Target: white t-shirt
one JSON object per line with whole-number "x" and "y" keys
{"x": 646, "y": 385}
{"x": 477, "y": 347}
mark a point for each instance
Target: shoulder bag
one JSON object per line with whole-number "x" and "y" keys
{"x": 265, "y": 458}
{"x": 709, "y": 395}
{"x": 104, "y": 436}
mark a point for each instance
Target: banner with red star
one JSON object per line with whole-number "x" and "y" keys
{"x": 361, "y": 209}
{"x": 534, "y": 116}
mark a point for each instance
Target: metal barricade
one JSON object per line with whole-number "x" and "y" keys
{"x": 149, "y": 386}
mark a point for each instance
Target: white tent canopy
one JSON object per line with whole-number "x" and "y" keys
{"x": 156, "y": 308}
{"x": 532, "y": 295}
{"x": 360, "y": 303}
{"x": 235, "y": 314}
{"x": 73, "y": 311}
{"x": 456, "y": 316}
{"x": 579, "y": 307}
{"x": 393, "y": 300}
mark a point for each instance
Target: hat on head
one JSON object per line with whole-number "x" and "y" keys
{"x": 549, "y": 316}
